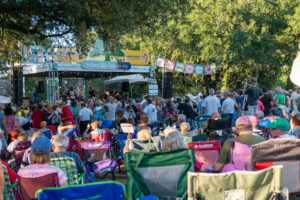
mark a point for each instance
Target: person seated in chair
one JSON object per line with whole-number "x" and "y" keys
{"x": 144, "y": 134}
{"x": 60, "y": 145}
{"x": 47, "y": 132}
{"x": 22, "y": 137}
{"x": 295, "y": 126}
{"x": 40, "y": 157}
{"x": 26, "y": 156}
{"x": 243, "y": 127}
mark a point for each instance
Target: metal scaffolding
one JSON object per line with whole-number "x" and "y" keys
{"x": 53, "y": 83}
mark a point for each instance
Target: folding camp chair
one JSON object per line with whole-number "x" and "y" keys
{"x": 240, "y": 157}
{"x": 163, "y": 174}
{"x": 27, "y": 187}
{"x": 281, "y": 151}
{"x": 8, "y": 193}
{"x": 200, "y": 121}
{"x": 19, "y": 151}
{"x": 95, "y": 191}
{"x": 239, "y": 185}
{"x": 153, "y": 144}
{"x": 219, "y": 129}
{"x": 206, "y": 152}
{"x": 68, "y": 166}
{"x": 196, "y": 138}
{"x": 95, "y": 155}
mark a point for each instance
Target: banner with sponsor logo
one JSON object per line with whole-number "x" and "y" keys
{"x": 170, "y": 65}
{"x": 189, "y": 68}
{"x": 199, "y": 69}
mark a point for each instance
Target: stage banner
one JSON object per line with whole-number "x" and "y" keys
{"x": 189, "y": 68}
{"x": 170, "y": 65}
{"x": 199, "y": 69}
{"x": 208, "y": 69}
{"x": 160, "y": 62}
{"x": 136, "y": 57}
{"x": 179, "y": 67}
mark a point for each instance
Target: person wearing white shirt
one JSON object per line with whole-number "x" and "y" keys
{"x": 211, "y": 103}
{"x": 295, "y": 96}
{"x": 228, "y": 104}
{"x": 151, "y": 112}
{"x": 84, "y": 116}
{"x": 111, "y": 113}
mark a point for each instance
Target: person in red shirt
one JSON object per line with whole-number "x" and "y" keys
{"x": 66, "y": 114}
{"x": 37, "y": 116}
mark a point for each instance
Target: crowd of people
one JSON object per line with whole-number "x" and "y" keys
{"x": 46, "y": 131}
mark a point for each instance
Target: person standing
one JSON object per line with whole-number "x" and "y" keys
{"x": 37, "y": 117}
{"x": 295, "y": 95}
{"x": 186, "y": 109}
{"x": 84, "y": 116}
{"x": 228, "y": 105}
{"x": 211, "y": 103}
{"x": 66, "y": 114}
{"x": 295, "y": 73}
{"x": 267, "y": 101}
{"x": 2, "y": 127}
{"x": 151, "y": 112}
{"x": 253, "y": 93}
{"x": 111, "y": 113}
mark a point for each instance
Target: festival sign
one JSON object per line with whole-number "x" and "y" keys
{"x": 136, "y": 57}
{"x": 35, "y": 54}
{"x": 170, "y": 65}
{"x": 105, "y": 65}
{"x": 208, "y": 69}
{"x": 199, "y": 69}
{"x": 160, "y": 62}
{"x": 179, "y": 67}
{"x": 68, "y": 54}
{"x": 189, "y": 68}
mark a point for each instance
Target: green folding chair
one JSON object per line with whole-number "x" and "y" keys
{"x": 201, "y": 120}
{"x": 241, "y": 185}
{"x": 163, "y": 174}
{"x": 8, "y": 193}
{"x": 68, "y": 166}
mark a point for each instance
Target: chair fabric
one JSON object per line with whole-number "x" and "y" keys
{"x": 280, "y": 151}
{"x": 99, "y": 150}
{"x": 153, "y": 144}
{"x": 8, "y": 193}
{"x": 19, "y": 151}
{"x": 27, "y": 187}
{"x": 206, "y": 152}
{"x": 68, "y": 166}
{"x": 95, "y": 191}
{"x": 201, "y": 120}
{"x": 220, "y": 129}
{"x": 239, "y": 185}
{"x": 240, "y": 157}
{"x": 163, "y": 174}
{"x": 196, "y": 138}
{"x": 78, "y": 149}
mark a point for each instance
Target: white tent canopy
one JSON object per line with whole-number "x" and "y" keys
{"x": 132, "y": 79}
{"x": 4, "y": 99}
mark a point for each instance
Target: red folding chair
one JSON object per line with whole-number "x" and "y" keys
{"x": 52, "y": 129}
{"x": 207, "y": 152}
{"x": 27, "y": 187}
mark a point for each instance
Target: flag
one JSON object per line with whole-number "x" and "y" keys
{"x": 179, "y": 67}
{"x": 199, "y": 69}
{"x": 189, "y": 68}
{"x": 208, "y": 69}
{"x": 170, "y": 65}
{"x": 160, "y": 62}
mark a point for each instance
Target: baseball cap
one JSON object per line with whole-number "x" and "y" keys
{"x": 279, "y": 123}
{"x": 41, "y": 145}
{"x": 243, "y": 122}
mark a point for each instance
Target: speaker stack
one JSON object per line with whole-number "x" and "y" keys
{"x": 168, "y": 85}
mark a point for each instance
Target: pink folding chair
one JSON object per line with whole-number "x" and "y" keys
{"x": 207, "y": 152}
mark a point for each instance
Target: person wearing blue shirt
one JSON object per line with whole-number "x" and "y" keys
{"x": 199, "y": 106}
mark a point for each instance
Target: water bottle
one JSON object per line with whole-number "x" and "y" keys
{"x": 92, "y": 177}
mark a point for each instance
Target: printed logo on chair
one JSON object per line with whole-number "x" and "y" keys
{"x": 199, "y": 69}
{"x": 160, "y": 62}
{"x": 170, "y": 65}
{"x": 208, "y": 69}
{"x": 234, "y": 194}
{"x": 179, "y": 67}
{"x": 189, "y": 68}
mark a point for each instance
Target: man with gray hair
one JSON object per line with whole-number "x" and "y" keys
{"x": 60, "y": 145}
{"x": 259, "y": 114}
{"x": 211, "y": 103}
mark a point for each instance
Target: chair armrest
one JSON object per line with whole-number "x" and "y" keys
{"x": 81, "y": 176}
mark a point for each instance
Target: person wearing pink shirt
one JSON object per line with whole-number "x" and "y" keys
{"x": 260, "y": 105}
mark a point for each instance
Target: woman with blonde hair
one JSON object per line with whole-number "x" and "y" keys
{"x": 39, "y": 158}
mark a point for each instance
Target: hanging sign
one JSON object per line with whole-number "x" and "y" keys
{"x": 199, "y": 69}
{"x": 136, "y": 57}
{"x": 189, "y": 68}
{"x": 160, "y": 62}
{"x": 179, "y": 67}
{"x": 170, "y": 65}
{"x": 105, "y": 65}
{"x": 208, "y": 69}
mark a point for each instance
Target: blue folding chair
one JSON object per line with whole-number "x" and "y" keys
{"x": 95, "y": 191}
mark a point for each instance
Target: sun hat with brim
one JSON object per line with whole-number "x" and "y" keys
{"x": 41, "y": 145}
{"x": 279, "y": 123}
{"x": 106, "y": 124}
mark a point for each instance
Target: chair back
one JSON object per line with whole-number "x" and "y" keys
{"x": 97, "y": 190}
{"x": 219, "y": 124}
{"x": 152, "y": 144}
{"x": 201, "y": 120}
{"x": 27, "y": 187}
{"x": 68, "y": 166}
{"x": 99, "y": 150}
{"x": 163, "y": 174}
{"x": 78, "y": 149}
{"x": 8, "y": 193}
{"x": 52, "y": 129}
{"x": 260, "y": 185}
{"x": 206, "y": 152}
{"x": 19, "y": 151}
{"x": 281, "y": 151}
{"x": 196, "y": 138}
